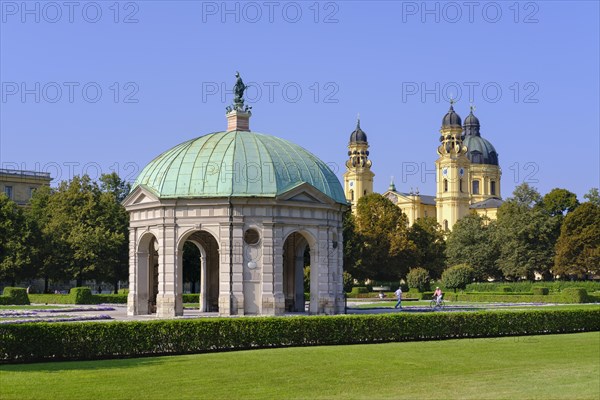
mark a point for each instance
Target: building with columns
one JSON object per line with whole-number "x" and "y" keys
{"x": 467, "y": 175}
{"x": 254, "y": 205}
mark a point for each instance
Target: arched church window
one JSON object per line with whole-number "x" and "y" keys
{"x": 475, "y": 187}
{"x": 445, "y": 185}
{"x": 351, "y": 195}
{"x": 493, "y": 187}
{"x": 446, "y": 224}
{"x": 460, "y": 185}
{"x": 365, "y": 193}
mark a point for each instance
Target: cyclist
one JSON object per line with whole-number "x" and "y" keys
{"x": 437, "y": 295}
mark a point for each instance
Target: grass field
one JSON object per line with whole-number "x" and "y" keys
{"x": 533, "y": 367}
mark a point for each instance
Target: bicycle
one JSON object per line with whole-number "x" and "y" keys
{"x": 434, "y": 305}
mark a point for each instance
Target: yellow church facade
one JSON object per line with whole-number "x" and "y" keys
{"x": 467, "y": 175}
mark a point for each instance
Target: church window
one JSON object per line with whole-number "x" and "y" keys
{"x": 460, "y": 185}
{"x": 445, "y": 185}
{"x": 446, "y": 224}
{"x": 352, "y": 195}
{"x": 493, "y": 188}
{"x": 365, "y": 192}
{"x": 476, "y": 187}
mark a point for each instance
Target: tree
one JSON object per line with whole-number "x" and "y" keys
{"x": 592, "y": 196}
{"x": 526, "y": 235}
{"x": 90, "y": 227}
{"x": 471, "y": 242}
{"x": 15, "y": 261}
{"x": 428, "y": 237}
{"x": 418, "y": 278}
{"x": 457, "y": 277}
{"x": 559, "y": 202}
{"x": 50, "y": 254}
{"x": 351, "y": 246}
{"x": 384, "y": 247}
{"x": 578, "y": 246}
{"x": 526, "y": 196}
{"x": 112, "y": 183}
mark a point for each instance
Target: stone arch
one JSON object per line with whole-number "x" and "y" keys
{"x": 295, "y": 245}
{"x": 146, "y": 279}
{"x": 209, "y": 268}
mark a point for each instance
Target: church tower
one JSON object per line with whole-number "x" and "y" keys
{"x": 358, "y": 178}
{"x": 484, "y": 179}
{"x": 452, "y": 171}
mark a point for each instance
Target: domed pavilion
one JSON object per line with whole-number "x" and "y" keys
{"x": 259, "y": 208}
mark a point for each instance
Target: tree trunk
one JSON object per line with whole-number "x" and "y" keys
{"x": 46, "y": 283}
{"x": 116, "y": 286}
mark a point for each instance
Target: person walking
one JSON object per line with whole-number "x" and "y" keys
{"x": 398, "y": 294}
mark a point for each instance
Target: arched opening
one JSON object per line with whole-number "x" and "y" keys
{"x": 445, "y": 185}
{"x": 146, "y": 281}
{"x": 199, "y": 255}
{"x": 296, "y": 272}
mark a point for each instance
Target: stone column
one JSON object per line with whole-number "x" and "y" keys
{"x": 165, "y": 302}
{"x": 203, "y": 283}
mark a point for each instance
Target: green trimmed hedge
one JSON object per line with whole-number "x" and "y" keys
{"x": 191, "y": 298}
{"x": 87, "y": 341}
{"x": 81, "y": 295}
{"x": 540, "y": 290}
{"x": 14, "y": 296}
{"x": 568, "y": 295}
{"x": 527, "y": 286}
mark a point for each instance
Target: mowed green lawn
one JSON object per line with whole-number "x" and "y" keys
{"x": 534, "y": 367}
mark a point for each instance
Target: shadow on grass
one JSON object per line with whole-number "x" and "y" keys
{"x": 61, "y": 366}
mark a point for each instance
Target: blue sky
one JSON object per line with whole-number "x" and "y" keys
{"x": 107, "y": 86}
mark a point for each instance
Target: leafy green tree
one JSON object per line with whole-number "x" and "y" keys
{"x": 49, "y": 253}
{"x": 384, "y": 247}
{"x": 578, "y": 246}
{"x": 15, "y": 261}
{"x": 526, "y": 196}
{"x": 526, "y": 235}
{"x": 472, "y": 242}
{"x": 418, "y": 278}
{"x": 428, "y": 237}
{"x": 592, "y": 196}
{"x": 90, "y": 227}
{"x": 559, "y": 202}
{"x": 457, "y": 277}
{"x": 112, "y": 183}
{"x": 351, "y": 246}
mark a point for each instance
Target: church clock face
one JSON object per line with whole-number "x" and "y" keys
{"x": 445, "y": 171}
{"x": 461, "y": 172}
{"x": 351, "y": 184}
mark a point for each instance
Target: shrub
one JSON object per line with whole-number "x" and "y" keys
{"x": 14, "y": 296}
{"x": 109, "y": 298}
{"x": 457, "y": 277}
{"x": 540, "y": 290}
{"x": 123, "y": 291}
{"x": 81, "y": 295}
{"x": 356, "y": 290}
{"x": 574, "y": 295}
{"x": 418, "y": 278}
{"x": 191, "y": 298}
{"x": 79, "y": 341}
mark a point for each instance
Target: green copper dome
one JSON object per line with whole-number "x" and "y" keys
{"x": 237, "y": 164}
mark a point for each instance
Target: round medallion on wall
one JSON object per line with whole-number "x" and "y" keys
{"x": 461, "y": 171}
{"x": 445, "y": 171}
{"x": 251, "y": 236}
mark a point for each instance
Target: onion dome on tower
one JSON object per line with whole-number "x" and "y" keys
{"x": 451, "y": 119}
{"x": 480, "y": 150}
{"x": 358, "y": 135}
